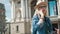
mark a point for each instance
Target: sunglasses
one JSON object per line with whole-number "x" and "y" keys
{"x": 42, "y": 7}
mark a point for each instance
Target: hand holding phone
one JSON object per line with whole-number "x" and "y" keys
{"x": 41, "y": 13}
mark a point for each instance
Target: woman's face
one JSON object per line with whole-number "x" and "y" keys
{"x": 43, "y": 8}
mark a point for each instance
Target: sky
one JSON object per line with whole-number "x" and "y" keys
{"x": 7, "y": 8}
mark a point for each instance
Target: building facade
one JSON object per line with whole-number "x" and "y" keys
{"x": 2, "y": 19}
{"x": 17, "y": 24}
{"x": 22, "y": 12}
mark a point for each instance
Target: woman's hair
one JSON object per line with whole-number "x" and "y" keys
{"x": 40, "y": 4}
{"x": 35, "y": 12}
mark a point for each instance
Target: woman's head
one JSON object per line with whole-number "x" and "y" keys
{"x": 42, "y": 6}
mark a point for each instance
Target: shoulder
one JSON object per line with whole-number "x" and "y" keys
{"x": 35, "y": 17}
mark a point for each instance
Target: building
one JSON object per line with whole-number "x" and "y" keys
{"x": 8, "y": 28}
{"x": 19, "y": 23}
{"x": 2, "y": 19}
{"x": 23, "y": 10}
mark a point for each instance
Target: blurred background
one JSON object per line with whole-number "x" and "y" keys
{"x": 16, "y": 15}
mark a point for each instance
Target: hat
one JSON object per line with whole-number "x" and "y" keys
{"x": 39, "y": 4}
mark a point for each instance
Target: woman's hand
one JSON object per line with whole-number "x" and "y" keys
{"x": 41, "y": 13}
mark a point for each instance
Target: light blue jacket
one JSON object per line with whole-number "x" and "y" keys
{"x": 45, "y": 29}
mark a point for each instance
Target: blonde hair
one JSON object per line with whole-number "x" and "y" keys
{"x": 45, "y": 14}
{"x": 35, "y": 12}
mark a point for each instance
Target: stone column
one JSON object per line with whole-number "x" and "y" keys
{"x": 23, "y": 15}
{"x": 26, "y": 13}
{"x": 23, "y": 9}
{"x": 30, "y": 12}
{"x": 58, "y": 8}
{"x": 58, "y": 5}
{"x": 13, "y": 10}
{"x": 27, "y": 23}
{"x": 27, "y": 10}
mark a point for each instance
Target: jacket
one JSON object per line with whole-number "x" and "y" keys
{"x": 38, "y": 29}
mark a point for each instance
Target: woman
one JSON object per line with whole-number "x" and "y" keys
{"x": 40, "y": 23}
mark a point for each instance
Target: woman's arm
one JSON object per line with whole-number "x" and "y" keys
{"x": 36, "y": 24}
{"x": 35, "y": 20}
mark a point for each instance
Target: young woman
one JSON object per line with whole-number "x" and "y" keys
{"x": 41, "y": 24}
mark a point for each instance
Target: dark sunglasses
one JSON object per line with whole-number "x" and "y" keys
{"x": 42, "y": 7}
